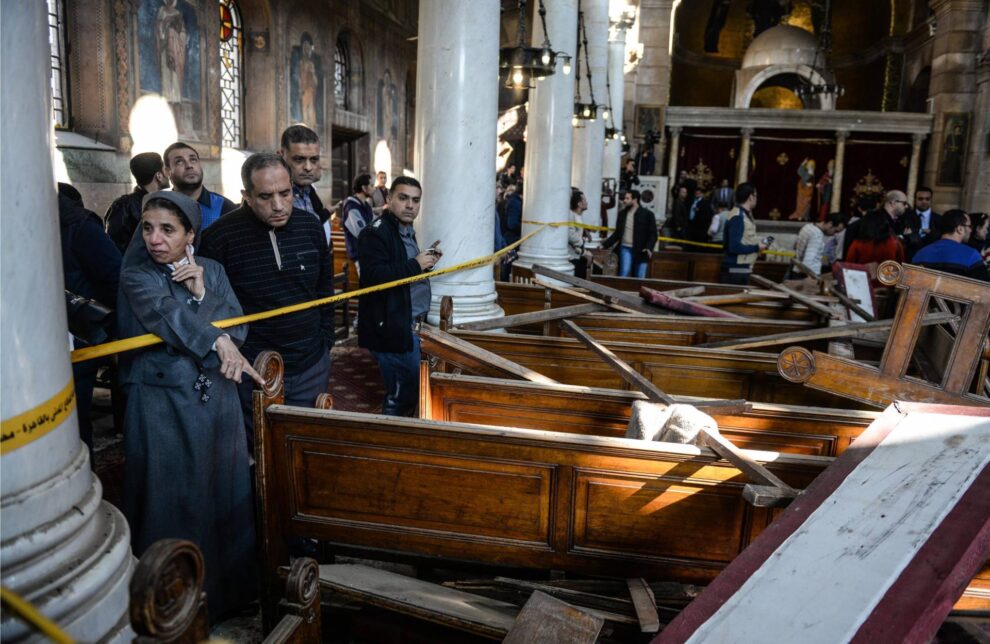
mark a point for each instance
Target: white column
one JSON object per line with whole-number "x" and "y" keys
{"x": 547, "y": 187}
{"x": 63, "y": 548}
{"x": 912, "y": 184}
{"x": 456, "y": 114}
{"x": 612, "y": 164}
{"x": 675, "y": 150}
{"x": 743, "y": 167}
{"x": 835, "y": 204}
{"x": 589, "y": 137}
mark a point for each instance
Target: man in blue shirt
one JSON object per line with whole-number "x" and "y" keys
{"x": 742, "y": 245}
{"x": 186, "y": 174}
{"x": 950, "y": 254}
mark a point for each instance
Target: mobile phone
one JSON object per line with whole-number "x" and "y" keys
{"x": 768, "y": 240}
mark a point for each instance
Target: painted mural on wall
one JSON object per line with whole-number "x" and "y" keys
{"x": 306, "y": 83}
{"x": 956, "y": 131}
{"x": 170, "y": 60}
{"x": 388, "y": 112}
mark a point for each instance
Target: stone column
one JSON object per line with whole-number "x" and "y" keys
{"x": 456, "y": 117}
{"x": 653, "y": 71}
{"x": 953, "y": 86}
{"x": 549, "y": 139}
{"x": 589, "y": 136}
{"x": 612, "y": 165}
{"x": 835, "y": 205}
{"x": 675, "y": 150}
{"x": 912, "y": 184}
{"x": 976, "y": 196}
{"x": 63, "y": 548}
{"x": 743, "y": 169}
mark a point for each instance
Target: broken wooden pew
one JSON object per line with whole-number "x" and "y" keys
{"x": 877, "y": 550}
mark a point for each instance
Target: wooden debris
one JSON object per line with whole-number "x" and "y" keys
{"x": 745, "y": 297}
{"x": 853, "y": 305}
{"x": 618, "y": 297}
{"x": 645, "y": 604}
{"x": 663, "y": 300}
{"x": 797, "y": 297}
{"x": 470, "y": 357}
{"x": 420, "y": 599}
{"x": 753, "y": 470}
{"x": 808, "y": 271}
{"x": 536, "y": 317}
{"x": 607, "y": 300}
{"x": 857, "y": 330}
{"x": 548, "y": 620}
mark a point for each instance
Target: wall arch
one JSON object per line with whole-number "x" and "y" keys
{"x": 750, "y": 80}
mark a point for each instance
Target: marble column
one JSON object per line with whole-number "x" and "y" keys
{"x": 675, "y": 151}
{"x": 456, "y": 116}
{"x": 589, "y": 136}
{"x": 976, "y": 194}
{"x": 549, "y": 140}
{"x": 953, "y": 86}
{"x": 63, "y": 548}
{"x": 612, "y": 165}
{"x": 912, "y": 184}
{"x": 742, "y": 174}
{"x": 835, "y": 204}
{"x": 652, "y": 83}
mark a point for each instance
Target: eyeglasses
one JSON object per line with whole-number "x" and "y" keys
{"x": 906, "y": 203}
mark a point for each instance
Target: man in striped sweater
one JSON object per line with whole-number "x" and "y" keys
{"x": 276, "y": 255}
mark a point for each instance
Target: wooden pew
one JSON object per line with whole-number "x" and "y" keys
{"x": 704, "y": 267}
{"x": 682, "y": 371}
{"x": 605, "y": 412}
{"x": 521, "y": 298}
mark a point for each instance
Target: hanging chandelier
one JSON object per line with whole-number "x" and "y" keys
{"x": 583, "y": 111}
{"x": 807, "y": 91}
{"x": 520, "y": 66}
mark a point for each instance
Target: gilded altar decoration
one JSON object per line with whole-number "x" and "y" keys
{"x": 782, "y": 158}
{"x": 903, "y": 162}
{"x": 774, "y": 214}
{"x": 732, "y": 153}
{"x": 702, "y": 175}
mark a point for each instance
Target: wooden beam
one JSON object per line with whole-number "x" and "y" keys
{"x": 753, "y": 470}
{"x": 606, "y": 300}
{"x": 473, "y": 358}
{"x": 853, "y": 305}
{"x": 794, "y": 295}
{"x": 808, "y": 271}
{"x": 641, "y": 383}
{"x": 534, "y": 317}
{"x": 683, "y": 306}
{"x": 687, "y": 291}
{"x": 743, "y": 297}
{"x": 620, "y": 297}
{"x": 549, "y": 620}
{"x": 645, "y": 604}
{"x": 857, "y": 330}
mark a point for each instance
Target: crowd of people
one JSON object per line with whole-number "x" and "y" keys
{"x": 170, "y": 258}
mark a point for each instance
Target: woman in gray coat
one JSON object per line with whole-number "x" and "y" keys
{"x": 187, "y": 473}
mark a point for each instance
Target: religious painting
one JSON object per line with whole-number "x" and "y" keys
{"x": 306, "y": 84}
{"x": 649, "y": 118}
{"x": 170, "y": 58}
{"x": 954, "y": 133}
{"x": 388, "y": 111}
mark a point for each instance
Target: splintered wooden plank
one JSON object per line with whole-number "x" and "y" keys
{"x": 683, "y": 306}
{"x": 745, "y": 463}
{"x": 548, "y": 620}
{"x": 853, "y": 305}
{"x": 744, "y": 297}
{"x": 857, "y": 330}
{"x": 616, "y": 296}
{"x": 607, "y": 300}
{"x": 534, "y": 317}
{"x": 420, "y": 599}
{"x": 645, "y": 604}
{"x": 797, "y": 297}
{"x": 473, "y": 358}
{"x": 877, "y": 550}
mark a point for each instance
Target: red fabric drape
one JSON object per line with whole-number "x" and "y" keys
{"x": 887, "y": 163}
{"x": 776, "y": 171}
{"x": 717, "y": 155}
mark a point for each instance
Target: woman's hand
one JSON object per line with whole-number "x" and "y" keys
{"x": 232, "y": 363}
{"x": 191, "y": 276}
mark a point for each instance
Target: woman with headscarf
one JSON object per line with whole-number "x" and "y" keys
{"x": 187, "y": 472}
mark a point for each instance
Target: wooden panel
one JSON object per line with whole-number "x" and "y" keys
{"x": 661, "y": 517}
{"x": 356, "y": 484}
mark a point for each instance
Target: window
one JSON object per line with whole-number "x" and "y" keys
{"x": 231, "y": 41}
{"x": 60, "y": 75}
{"x": 341, "y": 73}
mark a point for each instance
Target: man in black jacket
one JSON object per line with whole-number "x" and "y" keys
{"x": 634, "y": 238}
{"x": 386, "y": 319}
{"x": 301, "y": 150}
{"x": 124, "y": 214}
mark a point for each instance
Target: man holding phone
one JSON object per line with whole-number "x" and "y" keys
{"x": 387, "y": 319}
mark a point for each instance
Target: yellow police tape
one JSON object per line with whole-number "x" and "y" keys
{"x": 149, "y": 339}
{"x": 673, "y": 240}
{"x": 34, "y": 423}
{"x": 23, "y": 609}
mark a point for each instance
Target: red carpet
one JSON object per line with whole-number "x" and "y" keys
{"x": 355, "y": 381}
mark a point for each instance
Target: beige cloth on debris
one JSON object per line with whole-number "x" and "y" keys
{"x": 677, "y": 423}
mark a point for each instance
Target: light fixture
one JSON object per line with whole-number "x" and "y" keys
{"x": 566, "y": 66}
{"x": 519, "y": 66}
{"x": 808, "y": 90}
{"x": 606, "y": 113}
{"x": 584, "y": 111}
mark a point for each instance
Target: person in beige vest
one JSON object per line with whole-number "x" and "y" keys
{"x": 742, "y": 243}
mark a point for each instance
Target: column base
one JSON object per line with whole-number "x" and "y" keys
{"x": 470, "y": 305}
